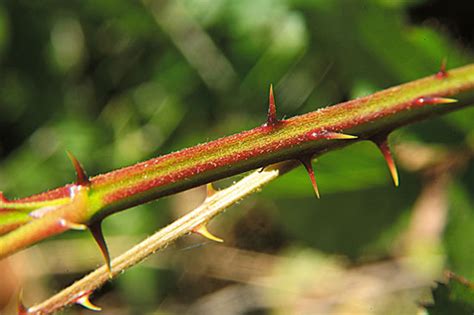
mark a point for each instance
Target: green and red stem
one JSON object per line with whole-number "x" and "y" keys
{"x": 299, "y": 138}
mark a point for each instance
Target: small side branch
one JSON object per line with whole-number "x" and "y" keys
{"x": 212, "y": 206}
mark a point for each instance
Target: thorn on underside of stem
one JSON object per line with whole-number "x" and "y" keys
{"x": 96, "y": 231}
{"x": 83, "y": 299}
{"x": 382, "y": 143}
{"x": 203, "y": 231}
{"x": 306, "y": 161}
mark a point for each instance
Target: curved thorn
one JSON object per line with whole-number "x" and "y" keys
{"x": 203, "y": 231}
{"x": 96, "y": 231}
{"x": 271, "y": 117}
{"x": 309, "y": 168}
{"x": 84, "y": 301}
{"x": 2, "y": 197}
{"x": 210, "y": 190}
{"x": 82, "y": 178}
{"x": 382, "y": 144}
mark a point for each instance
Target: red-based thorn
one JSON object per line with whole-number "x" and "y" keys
{"x": 309, "y": 168}
{"x": 433, "y": 100}
{"x": 442, "y": 73}
{"x": 210, "y": 190}
{"x": 96, "y": 230}
{"x": 271, "y": 117}
{"x": 203, "y": 231}
{"x": 382, "y": 144}
{"x": 82, "y": 178}
{"x": 337, "y": 136}
{"x": 21, "y": 308}
{"x": 83, "y": 299}
{"x": 329, "y": 135}
{"x": 2, "y": 197}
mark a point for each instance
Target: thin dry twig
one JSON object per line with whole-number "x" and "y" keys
{"x": 212, "y": 206}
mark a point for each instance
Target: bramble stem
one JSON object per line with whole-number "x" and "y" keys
{"x": 88, "y": 201}
{"x": 211, "y": 207}
{"x": 295, "y": 138}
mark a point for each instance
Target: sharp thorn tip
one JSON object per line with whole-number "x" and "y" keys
{"x": 203, "y": 231}
{"x": 84, "y": 301}
{"x": 96, "y": 231}
{"x": 384, "y": 148}
{"x": 72, "y": 226}
{"x": 446, "y": 100}
{"x": 82, "y": 178}
{"x": 271, "y": 117}
{"x": 340, "y": 136}
{"x": 433, "y": 100}
{"x": 309, "y": 169}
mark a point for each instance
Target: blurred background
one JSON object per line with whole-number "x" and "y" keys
{"x": 118, "y": 82}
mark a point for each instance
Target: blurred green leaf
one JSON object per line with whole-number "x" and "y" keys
{"x": 452, "y": 298}
{"x": 458, "y": 232}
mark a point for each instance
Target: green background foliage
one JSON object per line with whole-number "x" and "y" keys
{"x": 118, "y": 82}
{"x": 453, "y": 297}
